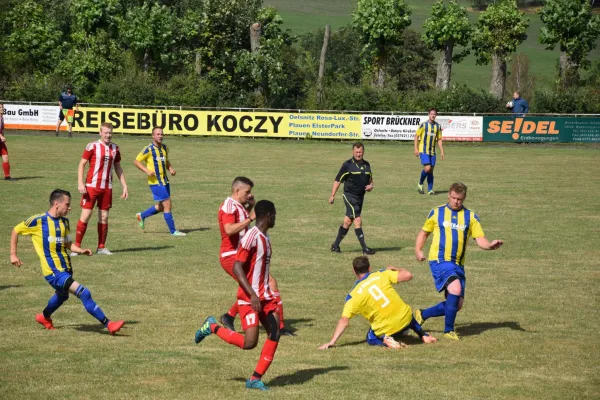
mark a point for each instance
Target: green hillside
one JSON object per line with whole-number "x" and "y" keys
{"x": 305, "y": 15}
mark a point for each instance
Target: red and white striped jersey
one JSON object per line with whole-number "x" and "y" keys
{"x": 102, "y": 159}
{"x": 231, "y": 212}
{"x": 255, "y": 254}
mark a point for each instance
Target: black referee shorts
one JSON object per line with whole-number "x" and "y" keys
{"x": 354, "y": 204}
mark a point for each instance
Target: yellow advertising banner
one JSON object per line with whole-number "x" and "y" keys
{"x": 221, "y": 123}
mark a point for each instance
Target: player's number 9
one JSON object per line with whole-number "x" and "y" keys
{"x": 378, "y": 295}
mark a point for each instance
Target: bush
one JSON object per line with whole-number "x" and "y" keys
{"x": 582, "y": 100}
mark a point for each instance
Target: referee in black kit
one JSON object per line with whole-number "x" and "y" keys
{"x": 358, "y": 179}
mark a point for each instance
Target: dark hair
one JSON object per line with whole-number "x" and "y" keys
{"x": 244, "y": 180}
{"x": 157, "y": 127}
{"x": 458, "y": 188}
{"x": 57, "y": 195}
{"x": 361, "y": 265}
{"x": 264, "y": 207}
{"x": 432, "y": 109}
{"x": 358, "y": 145}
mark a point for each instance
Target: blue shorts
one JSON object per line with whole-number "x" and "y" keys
{"x": 58, "y": 281}
{"x": 444, "y": 271}
{"x": 374, "y": 340}
{"x": 160, "y": 193}
{"x": 426, "y": 159}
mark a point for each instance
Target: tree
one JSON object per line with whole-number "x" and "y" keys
{"x": 570, "y": 24}
{"x": 500, "y": 29}
{"x": 380, "y": 23}
{"x": 519, "y": 79}
{"x": 449, "y": 26}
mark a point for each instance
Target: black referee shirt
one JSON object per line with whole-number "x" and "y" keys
{"x": 355, "y": 175}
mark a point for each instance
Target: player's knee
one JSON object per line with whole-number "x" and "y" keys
{"x": 250, "y": 343}
{"x": 273, "y": 327}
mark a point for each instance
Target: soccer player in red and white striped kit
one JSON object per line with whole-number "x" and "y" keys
{"x": 103, "y": 156}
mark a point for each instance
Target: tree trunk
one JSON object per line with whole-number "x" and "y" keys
{"x": 255, "y": 31}
{"x": 568, "y": 70}
{"x": 198, "y": 63}
{"x": 498, "y": 76}
{"x": 381, "y": 66}
{"x": 444, "y": 69}
{"x": 322, "y": 64}
{"x": 146, "y": 65}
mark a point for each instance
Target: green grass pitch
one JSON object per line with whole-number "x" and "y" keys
{"x": 529, "y": 325}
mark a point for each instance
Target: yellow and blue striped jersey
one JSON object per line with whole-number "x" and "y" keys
{"x": 374, "y": 298}
{"x": 49, "y": 236}
{"x": 451, "y": 231}
{"x": 428, "y": 134}
{"x": 157, "y": 160}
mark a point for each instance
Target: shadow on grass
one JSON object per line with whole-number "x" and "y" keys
{"x": 292, "y": 324}
{"x": 352, "y": 343}
{"x": 394, "y": 248}
{"x": 480, "y": 327}
{"x": 195, "y": 230}
{"x": 133, "y": 249}
{"x": 298, "y": 377}
{"x": 25, "y": 178}
{"x": 9, "y": 286}
{"x": 98, "y": 328}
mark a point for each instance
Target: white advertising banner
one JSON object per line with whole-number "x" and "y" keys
{"x": 403, "y": 127}
{"x": 23, "y": 116}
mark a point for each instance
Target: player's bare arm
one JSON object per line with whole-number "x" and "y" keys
{"x": 441, "y": 148}
{"x": 421, "y": 239}
{"x": 2, "y": 138}
{"x": 142, "y": 168}
{"x": 171, "y": 169}
{"x": 339, "y": 330}
{"x": 485, "y": 244}
{"x": 234, "y": 229}
{"x": 416, "y": 152}
{"x": 334, "y": 190}
{"x": 404, "y": 275}
{"x": 370, "y": 186}
{"x": 14, "y": 259}
{"x": 76, "y": 249}
{"x": 80, "y": 184}
{"x": 238, "y": 270}
{"x": 121, "y": 176}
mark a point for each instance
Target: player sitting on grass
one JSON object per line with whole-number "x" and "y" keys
{"x": 375, "y": 299}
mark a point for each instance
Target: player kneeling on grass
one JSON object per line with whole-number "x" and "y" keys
{"x": 375, "y": 299}
{"x": 50, "y": 234}
{"x": 256, "y": 299}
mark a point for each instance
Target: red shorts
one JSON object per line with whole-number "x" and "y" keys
{"x": 102, "y": 196}
{"x": 3, "y": 149}
{"x": 227, "y": 263}
{"x": 251, "y": 318}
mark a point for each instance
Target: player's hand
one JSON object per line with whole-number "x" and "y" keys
{"x": 326, "y": 346}
{"x": 172, "y": 171}
{"x": 369, "y": 187}
{"x": 16, "y": 261}
{"x": 125, "y": 194}
{"x": 86, "y": 252}
{"x": 255, "y": 302}
{"x": 151, "y": 173}
{"x": 495, "y": 244}
{"x": 420, "y": 256}
{"x": 392, "y": 268}
{"x": 2, "y": 139}
{"x": 81, "y": 188}
{"x": 442, "y": 156}
{"x": 331, "y": 199}
{"x": 251, "y": 202}
{"x": 416, "y": 153}
{"x": 252, "y": 215}
{"x": 429, "y": 339}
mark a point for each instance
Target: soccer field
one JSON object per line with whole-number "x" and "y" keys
{"x": 529, "y": 326}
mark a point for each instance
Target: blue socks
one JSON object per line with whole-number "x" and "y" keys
{"x": 430, "y": 181}
{"x": 423, "y": 176}
{"x": 53, "y": 304}
{"x": 90, "y": 305}
{"x": 170, "y": 221}
{"x": 451, "y": 310}
{"x": 435, "y": 311}
{"x": 149, "y": 212}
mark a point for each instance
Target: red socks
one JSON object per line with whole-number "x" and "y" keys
{"x": 80, "y": 233}
{"x": 231, "y": 337}
{"x": 6, "y": 168}
{"x": 102, "y": 233}
{"x": 266, "y": 358}
{"x": 233, "y": 311}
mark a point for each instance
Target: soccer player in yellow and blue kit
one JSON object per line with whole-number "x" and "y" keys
{"x": 51, "y": 240}
{"x": 452, "y": 225}
{"x": 428, "y": 134}
{"x": 153, "y": 160}
{"x": 374, "y": 298}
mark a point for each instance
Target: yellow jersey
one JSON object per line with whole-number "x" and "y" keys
{"x": 49, "y": 236}
{"x": 156, "y": 159}
{"x": 451, "y": 231}
{"x": 428, "y": 134}
{"x": 374, "y": 298}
